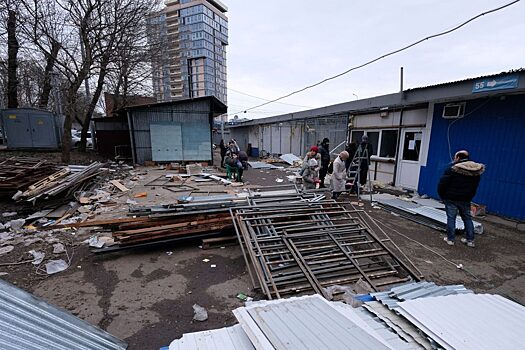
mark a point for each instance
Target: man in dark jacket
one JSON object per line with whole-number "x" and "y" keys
{"x": 457, "y": 187}
{"x": 324, "y": 151}
{"x": 365, "y": 162}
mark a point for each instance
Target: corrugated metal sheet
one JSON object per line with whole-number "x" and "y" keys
{"x": 188, "y": 115}
{"x": 432, "y": 213}
{"x": 492, "y": 131}
{"x": 30, "y": 323}
{"x": 229, "y": 338}
{"x": 469, "y": 321}
{"x": 416, "y": 290}
{"x": 374, "y": 326}
{"x": 468, "y": 79}
{"x": 302, "y": 323}
{"x": 263, "y": 165}
{"x": 290, "y": 158}
{"x": 441, "y": 216}
{"x": 400, "y": 325}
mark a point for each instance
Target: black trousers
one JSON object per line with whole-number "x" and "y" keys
{"x": 322, "y": 174}
{"x": 363, "y": 174}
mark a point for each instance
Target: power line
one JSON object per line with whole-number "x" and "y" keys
{"x": 265, "y": 99}
{"x": 384, "y": 56}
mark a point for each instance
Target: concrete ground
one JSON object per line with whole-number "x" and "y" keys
{"x": 146, "y": 296}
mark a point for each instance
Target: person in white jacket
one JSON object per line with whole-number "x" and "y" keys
{"x": 338, "y": 180}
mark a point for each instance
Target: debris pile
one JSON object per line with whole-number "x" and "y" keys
{"x": 189, "y": 218}
{"x": 63, "y": 182}
{"x": 68, "y": 195}
{"x": 17, "y": 174}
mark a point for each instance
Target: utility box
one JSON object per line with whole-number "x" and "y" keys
{"x": 26, "y": 128}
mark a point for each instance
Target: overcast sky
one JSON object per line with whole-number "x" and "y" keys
{"x": 277, "y": 46}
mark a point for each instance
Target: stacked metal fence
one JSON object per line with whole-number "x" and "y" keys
{"x": 307, "y": 246}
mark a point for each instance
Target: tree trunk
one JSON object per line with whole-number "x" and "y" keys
{"x": 68, "y": 122}
{"x": 94, "y": 99}
{"x": 46, "y": 88}
{"x": 12, "y": 52}
{"x": 71, "y": 112}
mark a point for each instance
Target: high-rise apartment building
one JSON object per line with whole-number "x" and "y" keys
{"x": 190, "y": 60}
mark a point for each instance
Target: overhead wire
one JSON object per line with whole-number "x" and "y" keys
{"x": 445, "y": 32}
{"x": 266, "y": 99}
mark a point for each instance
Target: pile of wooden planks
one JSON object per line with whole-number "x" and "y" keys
{"x": 183, "y": 225}
{"x": 66, "y": 180}
{"x": 133, "y": 231}
{"x": 196, "y": 217}
{"x": 17, "y": 173}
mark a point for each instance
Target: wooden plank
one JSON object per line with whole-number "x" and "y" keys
{"x": 169, "y": 221}
{"x": 169, "y": 233}
{"x": 169, "y": 227}
{"x": 119, "y": 185}
{"x": 103, "y": 222}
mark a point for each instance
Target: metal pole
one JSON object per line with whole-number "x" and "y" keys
{"x": 401, "y": 80}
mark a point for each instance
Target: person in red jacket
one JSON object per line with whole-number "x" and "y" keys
{"x": 456, "y": 188}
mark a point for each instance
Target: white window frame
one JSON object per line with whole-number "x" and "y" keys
{"x": 376, "y": 155}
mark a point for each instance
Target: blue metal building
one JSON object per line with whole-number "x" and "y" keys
{"x": 415, "y": 133}
{"x": 493, "y": 131}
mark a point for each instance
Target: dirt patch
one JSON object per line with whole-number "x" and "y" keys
{"x": 175, "y": 316}
{"x": 158, "y": 274}
{"x": 495, "y": 264}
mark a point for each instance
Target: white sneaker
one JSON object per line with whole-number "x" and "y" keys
{"x": 468, "y": 243}
{"x": 448, "y": 242}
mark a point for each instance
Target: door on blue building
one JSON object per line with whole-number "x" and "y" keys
{"x": 409, "y": 158}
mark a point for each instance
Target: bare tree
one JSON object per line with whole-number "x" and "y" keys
{"x": 75, "y": 41}
{"x": 68, "y": 24}
{"x": 123, "y": 21}
{"x": 50, "y": 63}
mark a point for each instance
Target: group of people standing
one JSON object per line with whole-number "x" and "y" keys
{"x": 316, "y": 166}
{"x": 456, "y": 188}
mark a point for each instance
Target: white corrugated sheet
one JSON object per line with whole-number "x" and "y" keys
{"x": 469, "y": 321}
{"x": 229, "y": 338}
{"x": 431, "y": 317}
{"x": 290, "y": 158}
{"x": 308, "y": 322}
{"x": 375, "y": 327}
{"x": 398, "y": 324}
{"x": 427, "y": 208}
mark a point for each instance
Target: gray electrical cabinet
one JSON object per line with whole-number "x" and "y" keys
{"x": 25, "y": 128}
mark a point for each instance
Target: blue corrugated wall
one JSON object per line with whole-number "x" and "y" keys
{"x": 493, "y": 131}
